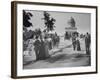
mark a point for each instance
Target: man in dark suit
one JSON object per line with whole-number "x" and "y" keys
{"x": 74, "y": 42}
{"x": 87, "y": 43}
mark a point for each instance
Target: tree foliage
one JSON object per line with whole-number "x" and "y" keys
{"x": 38, "y": 32}
{"x": 26, "y": 24}
{"x": 49, "y": 22}
{"x": 28, "y": 35}
{"x": 26, "y": 17}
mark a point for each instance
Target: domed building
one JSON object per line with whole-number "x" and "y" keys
{"x": 71, "y": 28}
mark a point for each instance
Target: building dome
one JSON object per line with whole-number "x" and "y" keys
{"x": 71, "y": 22}
{"x": 70, "y": 29}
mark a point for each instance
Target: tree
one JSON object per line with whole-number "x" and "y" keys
{"x": 38, "y": 32}
{"x": 26, "y": 18}
{"x": 26, "y": 23}
{"x": 49, "y": 22}
{"x": 28, "y": 35}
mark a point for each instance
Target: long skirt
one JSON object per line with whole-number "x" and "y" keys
{"x": 47, "y": 51}
{"x": 42, "y": 52}
{"x": 78, "y": 46}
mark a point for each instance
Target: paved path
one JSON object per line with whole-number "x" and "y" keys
{"x": 31, "y": 56}
{"x": 64, "y": 56}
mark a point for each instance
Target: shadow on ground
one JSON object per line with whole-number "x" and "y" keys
{"x": 63, "y": 57}
{"x": 56, "y": 57}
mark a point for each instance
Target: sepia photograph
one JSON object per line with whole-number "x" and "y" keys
{"x": 56, "y": 39}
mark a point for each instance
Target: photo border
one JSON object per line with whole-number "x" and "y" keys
{"x": 14, "y": 37}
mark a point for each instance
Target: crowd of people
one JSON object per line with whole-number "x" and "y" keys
{"x": 76, "y": 43}
{"x": 42, "y": 46}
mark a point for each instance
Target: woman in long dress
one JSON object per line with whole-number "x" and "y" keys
{"x": 46, "y": 45}
{"x": 42, "y": 49}
{"x": 78, "y": 44}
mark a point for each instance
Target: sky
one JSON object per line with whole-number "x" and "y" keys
{"x": 83, "y": 20}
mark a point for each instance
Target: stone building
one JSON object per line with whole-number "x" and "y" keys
{"x": 71, "y": 28}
